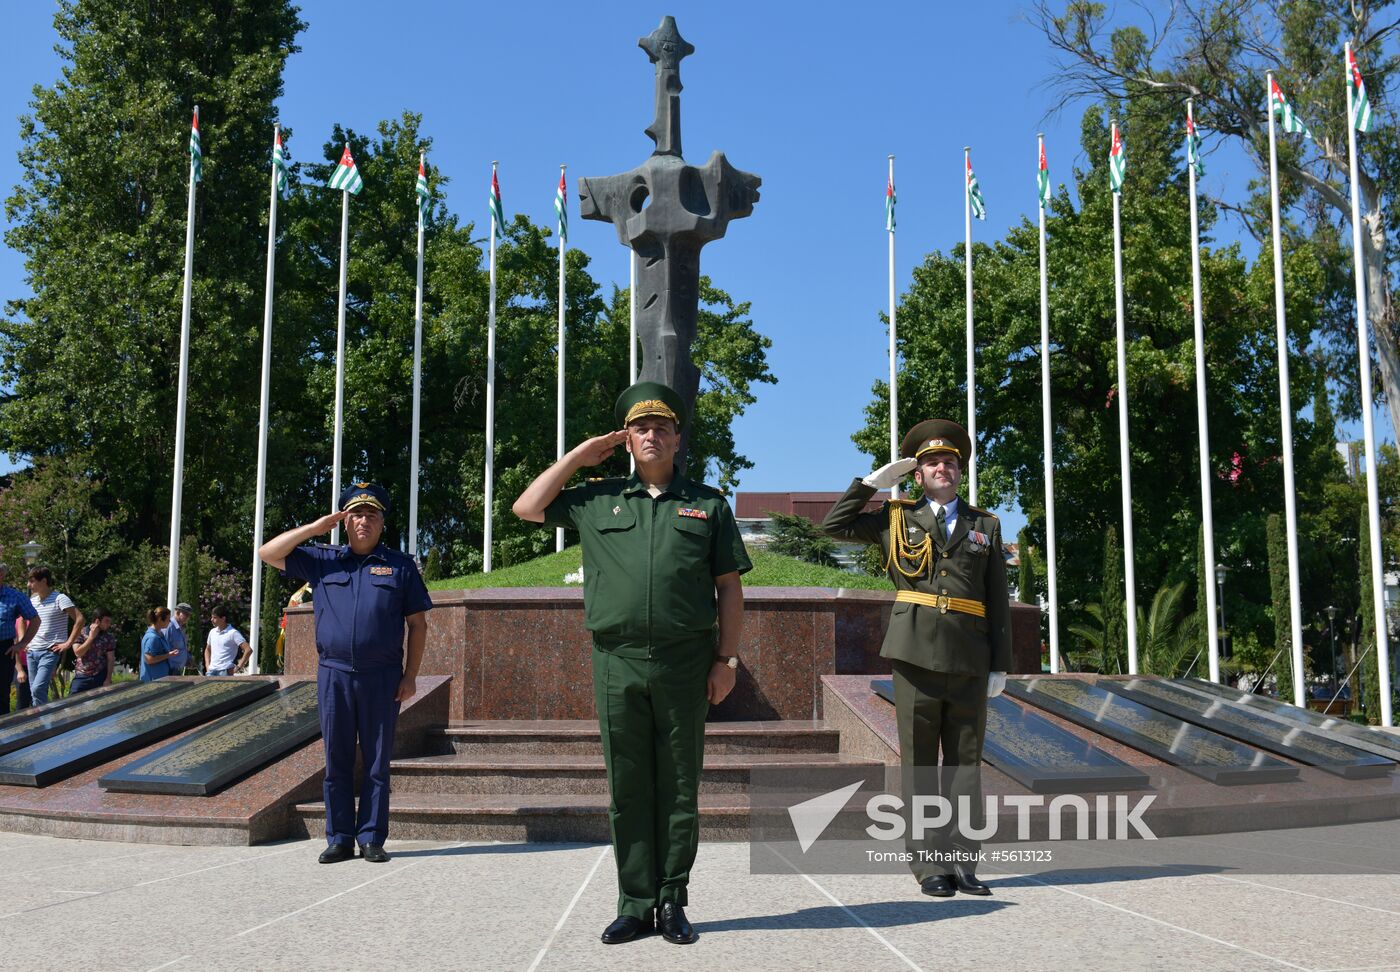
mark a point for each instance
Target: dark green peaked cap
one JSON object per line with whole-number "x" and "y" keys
{"x": 649, "y": 398}
{"x": 937, "y": 435}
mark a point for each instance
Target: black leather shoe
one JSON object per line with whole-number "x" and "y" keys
{"x": 624, "y": 928}
{"x": 967, "y": 882}
{"x": 670, "y": 919}
{"x": 938, "y": 886}
{"x": 335, "y": 853}
{"x": 374, "y": 853}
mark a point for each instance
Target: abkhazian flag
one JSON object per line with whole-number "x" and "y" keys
{"x": 346, "y": 177}
{"x": 196, "y": 156}
{"x": 1360, "y": 104}
{"x": 279, "y": 159}
{"x": 889, "y": 205}
{"x": 421, "y": 190}
{"x": 974, "y": 194}
{"x": 1193, "y": 148}
{"x": 1042, "y": 179}
{"x": 1287, "y": 117}
{"x": 1117, "y": 166}
{"x": 498, "y": 215}
{"x": 561, "y": 208}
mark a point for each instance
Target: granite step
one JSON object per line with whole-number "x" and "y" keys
{"x": 584, "y": 773}
{"x": 580, "y": 736}
{"x": 579, "y": 817}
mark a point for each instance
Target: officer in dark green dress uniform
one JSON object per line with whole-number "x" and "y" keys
{"x": 949, "y": 639}
{"x": 661, "y": 563}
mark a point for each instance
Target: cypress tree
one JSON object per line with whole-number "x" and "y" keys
{"x": 1369, "y": 677}
{"x": 1278, "y": 592}
{"x": 1115, "y": 618}
{"x": 1027, "y": 583}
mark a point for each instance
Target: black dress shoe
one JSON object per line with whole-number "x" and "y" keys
{"x": 624, "y": 928}
{"x": 374, "y": 853}
{"x": 670, "y": 919}
{"x": 336, "y": 853}
{"x": 938, "y": 886}
{"x": 967, "y": 881}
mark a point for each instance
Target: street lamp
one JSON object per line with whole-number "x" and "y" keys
{"x": 1332, "y": 635}
{"x": 1220, "y": 571}
{"x": 31, "y": 551}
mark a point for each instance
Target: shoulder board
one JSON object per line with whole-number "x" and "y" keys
{"x": 980, "y": 512}
{"x": 713, "y": 492}
{"x": 325, "y": 546}
{"x": 911, "y": 503}
{"x": 604, "y": 479}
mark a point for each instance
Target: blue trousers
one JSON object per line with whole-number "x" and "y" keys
{"x": 42, "y": 664}
{"x": 357, "y": 706}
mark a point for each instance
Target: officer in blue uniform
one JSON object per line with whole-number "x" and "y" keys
{"x": 364, "y": 595}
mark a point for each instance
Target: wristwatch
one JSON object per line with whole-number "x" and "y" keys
{"x": 729, "y": 661}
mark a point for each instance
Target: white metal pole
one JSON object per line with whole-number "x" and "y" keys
{"x": 894, "y": 388}
{"x": 1202, "y": 435}
{"x": 1363, "y": 357}
{"x": 417, "y": 388}
{"x": 631, "y": 329}
{"x": 1285, "y": 407}
{"x": 260, "y": 508}
{"x": 1047, "y": 430}
{"x": 177, "y": 487}
{"x": 971, "y": 363}
{"x": 490, "y": 399}
{"x": 340, "y": 361}
{"x": 559, "y": 404}
{"x": 1124, "y": 466}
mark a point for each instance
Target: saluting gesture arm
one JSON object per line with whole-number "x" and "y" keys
{"x": 532, "y": 503}
{"x": 275, "y": 551}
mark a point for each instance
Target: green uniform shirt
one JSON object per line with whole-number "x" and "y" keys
{"x": 649, "y": 564}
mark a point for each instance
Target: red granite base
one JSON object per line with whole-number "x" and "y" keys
{"x": 523, "y": 652}
{"x": 255, "y": 809}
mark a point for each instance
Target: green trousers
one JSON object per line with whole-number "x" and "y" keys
{"x": 652, "y": 715}
{"x": 939, "y": 711}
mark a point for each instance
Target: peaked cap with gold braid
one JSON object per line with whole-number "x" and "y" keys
{"x": 649, "y": 398}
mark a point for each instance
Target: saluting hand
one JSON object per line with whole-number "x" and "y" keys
{"x": 593, "y": 451}
{"x": 329, "y": 522}
{"x": 890, "y": 474}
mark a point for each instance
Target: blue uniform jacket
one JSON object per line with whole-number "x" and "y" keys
{"x": 360, "y": 603}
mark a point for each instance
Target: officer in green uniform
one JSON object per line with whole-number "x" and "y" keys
{"x": 661, "y": 563}
{"x": 949, "y": 639}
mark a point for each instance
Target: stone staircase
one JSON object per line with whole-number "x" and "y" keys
{"x": 517, "y": 780}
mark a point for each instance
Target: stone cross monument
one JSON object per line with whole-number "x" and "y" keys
{"x": 666, "y": 210}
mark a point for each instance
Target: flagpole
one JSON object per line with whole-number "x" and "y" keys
{"x": 340, "y": 361}
{"x": 260, "y": 508}
{"x": 1124, "y": 466}
{"x": 1202, "y": 435}
{"x": 1363, "y": 356}
{"x": 559, "y": 405}
{"x": 490, "y": 396}
{"x": 178, "y": 480}
{"x": 1285, "y": 407}
{"x": 417, "y": 386}
{"x": 631, "y": 329}
{"x": 1048, "y": 433}
{"x": 971, "y": 366}
{"x": 894, "y": 388}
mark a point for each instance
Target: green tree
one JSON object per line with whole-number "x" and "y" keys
{"x": 1167, "y": 635}
{"x": 1114, "y": 646}
{"x": 797, "y": 536}
{"x": 1282, "y": 658}
{"x": 1027, "y": 585}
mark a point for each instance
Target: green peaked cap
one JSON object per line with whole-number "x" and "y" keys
{"x": 649, "y": 398}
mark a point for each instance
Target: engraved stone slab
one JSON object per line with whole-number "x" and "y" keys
{"x": 1297, "y": 743}
{"x": 1200, "y": 752}
{"x": 1352, "y": 734}
{"x": 1040, "y": 755}
{"x": 205, "y": 762}
{"x": 81, "y": 709}
{"x": 57, "y": 705}
{"x": 129, "y": 730}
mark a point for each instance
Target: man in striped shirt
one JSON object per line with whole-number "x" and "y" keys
{"x": 56, "y": 635}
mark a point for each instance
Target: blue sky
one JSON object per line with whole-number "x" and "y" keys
{"x": 811, "y": 98}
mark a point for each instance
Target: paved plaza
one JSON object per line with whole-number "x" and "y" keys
{"x": 95, "y": 905}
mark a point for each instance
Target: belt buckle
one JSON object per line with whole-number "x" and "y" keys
{"x": 942, "y": 603}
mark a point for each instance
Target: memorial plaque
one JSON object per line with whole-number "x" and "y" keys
{"x": 1349, "y": 732}
{"x": 57, "y": 705}
{"x": 1201, "y": 752}
{"x": 1040, "y": 755}
{"x": 1296, "y": 742}
{"x": 86, "y": 707}
{"x": 128, "y": 730}
{"x": 206, "y": 761}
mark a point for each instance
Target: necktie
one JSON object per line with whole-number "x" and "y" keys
{"x": 942, "y": 518}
